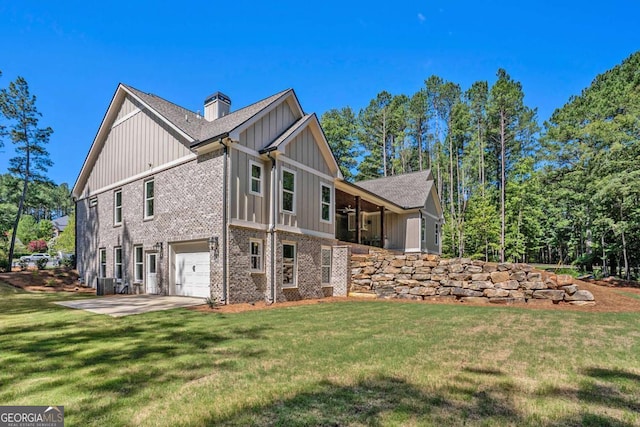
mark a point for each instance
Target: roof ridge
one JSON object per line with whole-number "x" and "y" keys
{"x": 394, "y": 176}
{"x": 159, "y": 97}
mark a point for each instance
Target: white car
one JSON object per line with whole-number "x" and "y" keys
{"x": 35, "y": 257}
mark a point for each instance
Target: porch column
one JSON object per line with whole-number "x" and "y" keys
{"x": 382, "y": 226}
{"x": 358, "y": 232}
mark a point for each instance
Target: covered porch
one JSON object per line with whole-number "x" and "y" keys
{"x": 365, "y": 218}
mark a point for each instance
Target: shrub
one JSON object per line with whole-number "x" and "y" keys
{"x": 70, "y": 262}
{"x": 5, "y": 265}
{"x": 38, "y": 246}
{"x": 212, "y": 303}
{"x": 50, "y": 282}
{"x": 42, "y": 263}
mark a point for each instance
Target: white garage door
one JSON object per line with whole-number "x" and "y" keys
{"x": 193, "y": 274}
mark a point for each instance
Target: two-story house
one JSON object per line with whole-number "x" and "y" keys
{"x": 238, "y": 206}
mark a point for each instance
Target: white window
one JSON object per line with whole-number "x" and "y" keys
{"x": 255, "y": 178}
{"x": 117, "y": 207}
{"x": 423, "y": 229}
{"x": 117, "y": 263}
{"x": 325, "y": 261}
{"x": 256, "y": 255}
{"x": 288, "y": 191}
{"x": 437, "y": 233}
{"x": 102, "y": 262}
{"x": 326, "y": 203}
{"x": 149, "y": 198}
{"x": 138, "y": 260}
{"x": 289, "y": 265}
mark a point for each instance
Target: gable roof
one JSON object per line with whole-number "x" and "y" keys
{"x": 194, "y": 125}
{"x": 61, "y": 223}
{"x": 409, "y": 190}
{"x": 191, "y": 126}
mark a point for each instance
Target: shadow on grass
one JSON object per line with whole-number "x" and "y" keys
{"x": 373, "y": 402}
{"x": 604, "y": 388}
{"x": 387, "y": 400}
{"x": 111, "y": 359}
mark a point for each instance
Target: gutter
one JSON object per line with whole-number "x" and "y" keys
{"x": 225, "y": 207}
{"x": 220, "y": 138}
{"x": 272, "y": 229}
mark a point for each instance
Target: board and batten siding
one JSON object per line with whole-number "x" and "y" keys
{"x": 396, "y": 229}
{"x": 307, "y": 201}
{"x": 305, "y": 150}
{"x": 268, "y": 128}
{"x": 128, "y": 107}
{"x": 244, "y": 205}
{"x": 133, "y": 146}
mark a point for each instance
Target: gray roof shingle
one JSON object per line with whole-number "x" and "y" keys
{"x": 409, "y": 190}
{"x": 279, "y": 140}
{"x": 195, "y": 125}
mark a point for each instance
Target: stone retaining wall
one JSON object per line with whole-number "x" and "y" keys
{"x": 426, "y": 276}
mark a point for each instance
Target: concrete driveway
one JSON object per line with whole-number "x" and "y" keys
{"x": 125, "y": 305}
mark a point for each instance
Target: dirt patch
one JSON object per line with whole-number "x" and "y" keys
{"x": 609, "y": 297}
{"x": 56, "y": 280}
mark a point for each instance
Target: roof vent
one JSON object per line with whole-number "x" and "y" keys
{"x": 216, "y": 105}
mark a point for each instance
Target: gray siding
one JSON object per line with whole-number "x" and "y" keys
{"x": 305, "y": 150}
{"x": 128, "y": 106}
{"x": 307, "y": 201}
{"x": 132, "y": 147}
{"x": 265, "y": 130}
{"x": 429, "y": 244}
{"x": 246, "y": 206}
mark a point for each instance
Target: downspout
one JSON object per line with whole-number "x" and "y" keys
{"x": 75, "y": 238}
{"x": 272, "y": 228}
{"x": 225, "y": 206}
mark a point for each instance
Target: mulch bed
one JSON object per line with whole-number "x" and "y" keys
{"x": 612, "y": 296}
{"x": 608, "y": 300}
{"x": 56, "y": 280}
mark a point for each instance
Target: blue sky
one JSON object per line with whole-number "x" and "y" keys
{"x": 74, "y": 53}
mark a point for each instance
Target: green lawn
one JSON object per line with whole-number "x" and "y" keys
{"x": 351, "y": 363}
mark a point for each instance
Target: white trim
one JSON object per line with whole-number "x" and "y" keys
{"x": 260, "y": 255}
{"x": 304, "y": 167}
{"x": 146, "y": 199}
{"x": 117, "y": 249}
{"x": 251, "y": 178}
{"x": 115, "y": 207}
{"x": 135, "y": 264}
{"x": 125, "y": 118}
{"x": 295, "y": 265}
{"x": 102, "y": 274}
{"x": 152, "y": 171}
{"x": 235, "y": 133}
{"x": 282, "y": 157}
{"x": 429, "y": 214}
{"x": 100, "y": 138}
{"x": 248, "y": 224}
{"x": 326, "y": 248}
{"x": 160, "y": 116}
{"x": 296, "y": 230}
{"x": 282, "y": 190}
{"x": 238, "y": 146}
{"x": 413, "y": 250}
{"x": 331, "y": 204}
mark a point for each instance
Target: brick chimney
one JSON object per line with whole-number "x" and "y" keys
{"x": 216, "y": 105}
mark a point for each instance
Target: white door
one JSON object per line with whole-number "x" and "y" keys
{"x": 193, "y": 274}
{"x": 152, "y": 279}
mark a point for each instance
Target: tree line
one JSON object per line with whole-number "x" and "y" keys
{"x": 29, "y": 200}
{"x": 511, "y": 188}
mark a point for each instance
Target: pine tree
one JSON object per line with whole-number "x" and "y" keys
{"x": 32, "y": 159}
